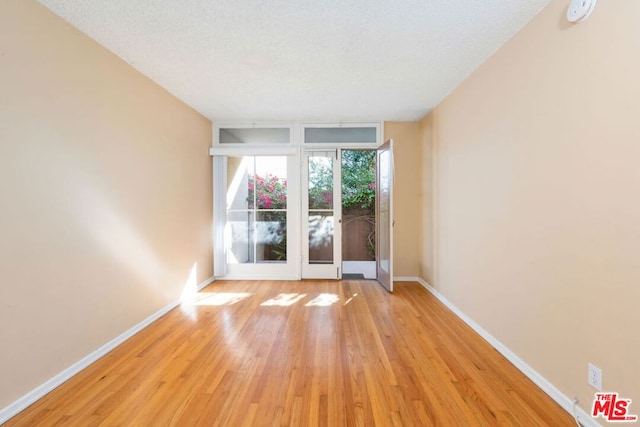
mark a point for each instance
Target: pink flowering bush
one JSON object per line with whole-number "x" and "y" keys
{"x": 270, "y": 192}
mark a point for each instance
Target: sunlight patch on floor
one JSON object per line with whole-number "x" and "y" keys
{"x": 323, "y": 300}
{"x": 284, "y": 300}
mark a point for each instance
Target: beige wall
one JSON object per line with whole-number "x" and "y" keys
{"x": 105, "y": 196}
{"x": 537, "y": 197}
{"x": 426, "y": 250}
{"x": 407, "y": 200}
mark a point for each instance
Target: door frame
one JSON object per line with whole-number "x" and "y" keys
{"x": 321, "y": 271}
{"x": 294, "y": 148}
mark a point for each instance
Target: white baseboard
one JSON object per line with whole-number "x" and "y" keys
{"x": 206, "y": 283}
{"x": 40, "y": 391}
{"x": 546, "y": 386}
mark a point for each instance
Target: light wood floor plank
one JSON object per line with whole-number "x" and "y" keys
{"x": 320, "y": 353}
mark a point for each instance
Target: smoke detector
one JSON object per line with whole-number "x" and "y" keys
{"x": 579, "y": 10}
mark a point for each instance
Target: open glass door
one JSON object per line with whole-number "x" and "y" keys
{"x": 384, "y": 216}
{"x": 322, "y": 212}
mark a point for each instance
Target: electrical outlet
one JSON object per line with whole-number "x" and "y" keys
{"x": 595, "y": 377}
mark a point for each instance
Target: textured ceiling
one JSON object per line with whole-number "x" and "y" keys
{"x": 331, "y": 60}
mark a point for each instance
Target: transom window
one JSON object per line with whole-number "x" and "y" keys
{"x": 277, "y": 136}
{"x": 344, "y": 135}
{"x": 258, "y": 135}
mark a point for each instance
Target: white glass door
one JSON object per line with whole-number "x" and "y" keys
{"x": 321, "y": 215}
{"x": 384, "y": 216}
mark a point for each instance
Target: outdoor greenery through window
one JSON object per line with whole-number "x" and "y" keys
{"x": 256, "y": 209}
{"x": 358, "y": 205}
{"x": 358, "y": 179}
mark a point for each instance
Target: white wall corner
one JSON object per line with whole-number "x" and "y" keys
{"x": 546, "y": 386}
{"x": 37, "y": 393}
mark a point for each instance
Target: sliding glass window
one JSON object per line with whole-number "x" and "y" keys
{"x": 256, "y": 228}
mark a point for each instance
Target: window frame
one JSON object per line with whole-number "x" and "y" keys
{"x": 256, "y": 125}
{"x": 296, "y": 137}
{"x": 379, "y": 126}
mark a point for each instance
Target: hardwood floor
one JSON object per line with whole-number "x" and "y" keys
{"x": 301, "y": 353}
